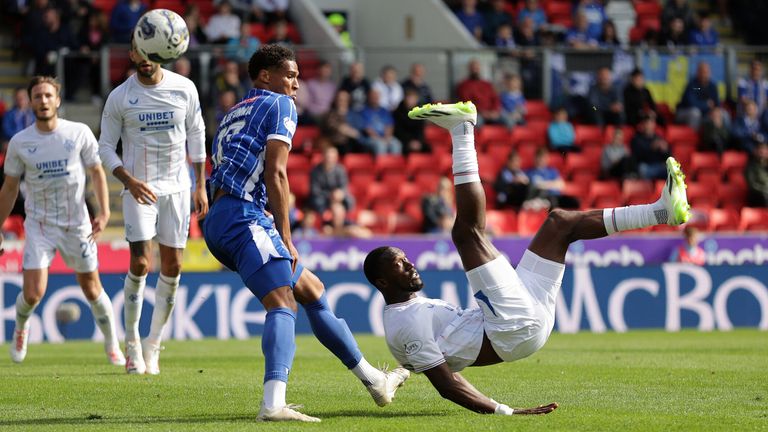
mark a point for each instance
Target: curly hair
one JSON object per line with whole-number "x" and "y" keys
{"x": 268, "y": 57}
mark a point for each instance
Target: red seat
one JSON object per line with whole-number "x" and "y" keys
{"x": 588, "y": 136}
{"x": 730, "y": 195}
{"x": 677, "y": 133}
{"x": 14, "y": 224}
{"x": 754, "y": 219}
{"x": 299, "y": 184}
{"x": 556, "y": 161}
{"x": 354, "y": 162}
{"x": 389, "y": 162}
{"x": 298, "y": 163}
{"x": 436, "y": 136}
{"x": 379, "y": 192}
{"x": 406, "y": 224}
{"x": 723, "y": 220}
{"x": 394, "y": 179}
{"x": 580, "y": 163}
{"x": 704, "y": 161}
{"x": 529, "y": 221}
{"x": 358, "y": 186}
{"x": 427, "y": 181}
{"x": 174, "y": 5}
{"x": 576, "y": 189}
{"x": 650, "y": 22}
{"x": 524, "y": 134}
{"x": 407, "y": 192}
{"x": 610, "y": 130}
{"x": 499, "y": 150}
{"x": 637, "y": 191}
{"x": 637, "y": 34}
{"x": 305, "y": 136}
{"x": 733, "y": 160}
{"x": 417, "y": 162}
{"x": 700, "y": 196}
{"x": 501, "y": 221}
{"x": 683, "y": 155}
{"x": 537, "y": 110}
{"x": 491, "y": 132}
{"x": 647, "y": 8}
{"x": 666, "y": 113}
{"x": 558, "y": 8}
{"x": 488, "y": 167}
{"x": 603, "y": 194}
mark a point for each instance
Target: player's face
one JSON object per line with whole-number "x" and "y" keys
{"x": 404, "y": 274}
{"x": 144, "y": 67}
{"x": 285, "y": 79}
{"x": 45, "y": 101}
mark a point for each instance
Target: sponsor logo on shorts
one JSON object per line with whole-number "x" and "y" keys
{"x": 413, "y": 347}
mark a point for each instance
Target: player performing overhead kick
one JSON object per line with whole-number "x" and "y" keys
{"x": 517, "y": 306}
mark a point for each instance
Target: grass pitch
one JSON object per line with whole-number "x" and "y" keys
{"x": 640, "y": 381}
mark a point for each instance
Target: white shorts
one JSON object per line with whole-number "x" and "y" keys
{"x": 519, "y": 306}
{"x": 74, "y": 245}
{"x": 166, "y": 220}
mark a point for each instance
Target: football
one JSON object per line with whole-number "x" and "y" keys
{"x": 161, "y": 36}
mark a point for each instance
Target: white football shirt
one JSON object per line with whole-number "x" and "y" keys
{"x": 53, "y": 167}
{"x": 156, "y": 124}
{"x": 423, "y": 333}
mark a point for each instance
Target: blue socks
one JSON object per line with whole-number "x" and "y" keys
{"x": 333, "y": 332}
{"x": 278, "y": 343}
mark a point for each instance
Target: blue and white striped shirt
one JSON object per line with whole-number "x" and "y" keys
{"x": 240, "y": 144}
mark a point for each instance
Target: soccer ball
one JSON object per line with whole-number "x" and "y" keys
{"x": 161, "y": 36}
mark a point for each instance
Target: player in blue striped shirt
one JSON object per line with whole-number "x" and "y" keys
{"x": 250, "y": 153}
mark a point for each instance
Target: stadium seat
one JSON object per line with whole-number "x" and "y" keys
{"x": 354, "y": 162}
{"x": 14, "y": 224}
{"x": 583, "y": 164}
{"x": 733, "y": 160}
{"x": 437, "y": 136}
{"x": 305, "y": 137}
{"x": 427, "y": 181}
{"x": 754, "y": 219}
{"x": 105, "y": 5}
{"x": 394, "y": 179}
{"x": 406, "y": 192}
{"x": 529, "y": 221}
{"x": 666, "y": 113}
{"x": 524, "y": 134}
{"x": 358, "y": 186}
{"x": 299, "y": 186}
{"x": 683, "y": 154}
{"x": 418, "y": 162}
{"x": 406, "y": 224}
{"x": 647, "y": 9}
{"x": 710, "y": 177}
{"x": 723, "y": 220}
{"x": 491, "y": 132}
{"x": 636, "y": 191}
{"x": 554, "y": 7}
{"x": 629, "y": 132}
{"x": 489, "y": 167}
{"x": 298, "y": 163}
{"x": 587, "y": 135}
{"x": 649, "y": 22}
{"x": 501, "y": 221}
{"x": 677, "y": 133}
{"x": 703, "y": 161}
{"x": 389, "y": 162}
{"x": 413, "y": 209}
{"x": 603, "y": 194}
{"x": 537, "y": 110}
{"x": 701, "y": 196}
{"x": 527, "y": 152}
{"x": 637, "y": 34}
{"x": 173, "y": 5}
{"x": 736, "y": 178}
{"x": 499, "y": 151}
{"x": 730, "y": 195}
{"x": 378, "y": 192}
{"x": 576, "y": 189}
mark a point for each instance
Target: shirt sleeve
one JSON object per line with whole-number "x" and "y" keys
{"x": 14, "y": 166}
{"x": 195, "y": 127}
{"x": 111, "y": 128}
{"x": 281, "y": 121}
{"x": 90, "y": 150}
{"x": 417, "y": 349}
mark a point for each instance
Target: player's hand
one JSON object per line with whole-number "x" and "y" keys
{"x": 541, "y": 409}
{"x": 141, "y": 192}
{"x": 98, "y": 225}
{"x": 200, "y": 198}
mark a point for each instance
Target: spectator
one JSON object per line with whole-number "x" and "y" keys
{"x": 92, "y": 36}
{"x": 496, "y": 17}
{"x": 714, "y": 134}
{"x": 241, "y": 49}
{"x": 336, "y": 124}
{"x": 606, "y": 100}
{"x": 356, "y": 85}
{"x": 689, "y": 252}
{"x": 637, "y": 99}
{"x": 19, "y": 117}
{"x": 409, "y": 132}
{"x": 377, "y": 127}
{"x": 561, "y": 134}
{"x": 650, "y": 150}
{"x": 223, "y": 25}
{"x": 124, "y": 17}
{"x": 756, "y": 174}
{"x": 328, "y": 183}
{"x": 512, "y": 100}
{"x": 699, "y": 97}
{"x": 675, "y": 35}
{"x": 511, "y": 183}
{"x": 609, "y": 38}
{"x": 526, "y": 34}
{"x": 270, "y": 11}
{"x": 183, "y": 67}
{"x": 534, "y": 12}
{"x": 390, "y": 90}
{"x": 471, "y": 18}
{"x": 306, "y": 226}
{"x": 33, "y": 23}
{"x": 615, "y": 160}
{"x": 754, "y": 87}
{"x": 280, "y": 34}
{"x": 705, "y": 35}
{"x": 229, "y": 79}
{"x": 677, "y": 9}
{"x": 474, "y": 88}
{"x": 338, "y": 22}
{"x": 416, "y": 81}
{"x": 50, "y": 40}
{"x": 748, "y": 130}
{"x": 579, "y": 36}
{"x": 320, "y": 91}
{"x": 438, "y": 209}
{"x": 338, "y": 225}
{"x": 596, "y": 17}
{"x": 504, "y": 39}
{"x": 197, "y": 35}
{"x": 546, "y": 182}
{"x": 301, "y": 102}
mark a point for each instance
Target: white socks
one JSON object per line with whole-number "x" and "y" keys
{"x": 134, "y": 298}
{"x": 23, "y": 311}
{"x": 634, "y": 217}
{"x": 365, "y": 372}
{"x": 165, "y": 298}
{"x": 465, "y": 168}
{"x": 105, "y": 320}
{"x": 274, "y": 394}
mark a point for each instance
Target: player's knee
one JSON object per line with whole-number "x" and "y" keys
{"x": 139, "y": 265}
{"x": 280, "y": 298}
{"x": 33, "y": 298}
{"x": 171, "y": 269}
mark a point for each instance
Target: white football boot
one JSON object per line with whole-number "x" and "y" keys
{"x": 19, "y": 344}
{"x": 115, "y": 356}
{"x": 285, "y": 413}
{"x": 134, "y": 360}
{"x": 151, "y": 356}
{"x": 384, "y": 391}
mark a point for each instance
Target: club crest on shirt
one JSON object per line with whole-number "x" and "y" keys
{"x": 133, "y": 101}
{"x": 412, "y": 347}
{"x": 69, "y": 145}
{"x": 176, "y": 96}
{"x": 290, "y": 125}
{"x": 31, "y": 150}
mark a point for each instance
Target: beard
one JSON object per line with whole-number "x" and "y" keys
{"x": 47, "y": 115}
{"x": 146, "y": 74}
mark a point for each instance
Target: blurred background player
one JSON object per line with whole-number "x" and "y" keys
{"x": 689, "y": 251}
{"x": 53, "y": 155}
{"x": 156, "y": 113}
{"x": 250, "y": 153}
{"x": 517, "y": 306}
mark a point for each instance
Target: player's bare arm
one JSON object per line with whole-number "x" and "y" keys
{"x": 8, "y": 194}
{"x": 99, "y": 181}
{"x": 199, "y": 197}
{"x": 278, "y": 191}
{"x": 137, "y": 188}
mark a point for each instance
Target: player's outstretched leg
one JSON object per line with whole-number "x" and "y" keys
{"x": 335, "y": 335}
{"x": 564, "y": 227}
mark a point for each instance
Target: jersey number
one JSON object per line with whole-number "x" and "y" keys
{"x": 223, "y": 139}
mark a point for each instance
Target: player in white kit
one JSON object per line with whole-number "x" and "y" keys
{"x": 516, "y": 310}
{"x": 53, "y": 155}
{"x": 157, "y": 115}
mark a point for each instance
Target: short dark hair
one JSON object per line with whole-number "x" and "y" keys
{"x": 40, "y": 79}
{"x": 268, "y": 57}
{"x": 373, "y": 263}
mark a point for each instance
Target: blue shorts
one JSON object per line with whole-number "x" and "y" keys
{"x": 244, "y": 239}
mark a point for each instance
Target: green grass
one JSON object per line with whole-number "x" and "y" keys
{"x": 640, "y": 381}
